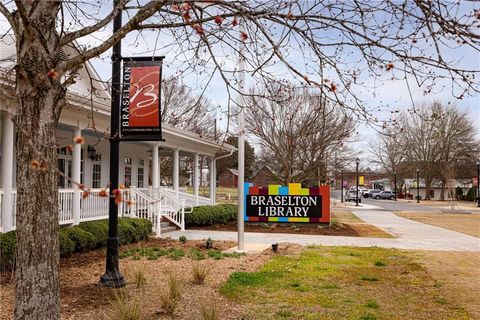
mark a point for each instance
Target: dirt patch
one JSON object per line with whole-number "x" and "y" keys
{"x": 344, "y": 223}
{"x": 464, "y": 223}
{"x": 458, "y": 274}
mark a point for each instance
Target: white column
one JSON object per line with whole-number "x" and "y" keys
{"x": 155, "y": 168}
{"x": 76, "y": 163}
{"x": 196, "y": 174}
{"x": 7, "y": 173}
{"x": 213, "y": 181}
{"x": 176, "y": 170}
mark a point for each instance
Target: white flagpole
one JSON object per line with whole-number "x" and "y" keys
{"x": 241, "y": 141}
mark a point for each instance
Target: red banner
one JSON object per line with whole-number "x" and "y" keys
{"x": 140, "y": 107}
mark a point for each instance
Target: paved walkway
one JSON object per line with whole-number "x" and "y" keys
{"x": 409, "y": 235}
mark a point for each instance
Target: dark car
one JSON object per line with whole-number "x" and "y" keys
{"x": 385, "y": 195}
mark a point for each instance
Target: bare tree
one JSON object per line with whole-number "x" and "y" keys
{"x": 298, "y": 131}
{"x": 183, "y": 109}
{"x": 389, "y": 151}
{"x": 402, "y": 39}
{"x": 438, "y": 138}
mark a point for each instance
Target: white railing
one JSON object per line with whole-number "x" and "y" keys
{"x": 147, "y": 203}
{"x": 167, "y": 205}
{"x": 191, "y": 199}
{"x": 65, "y": 206}
{"x": 94, "y": 207}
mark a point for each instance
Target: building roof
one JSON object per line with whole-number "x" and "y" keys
{"x": 437, "y": 183}
{"x": 79, "y": 108}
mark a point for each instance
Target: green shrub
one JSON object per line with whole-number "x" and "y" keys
{"x": 85, "y": 236}
{"x": 458, "y": 192}
{"x": 182, "y": 239}
{"x": 82, "y": 239}
{"x": 99, "y": 229}
{"x": 67, "y": 245}
{"x": 8, "y": 242}
{"x": 208, "y": 215}
{"x": 471, "y": 194}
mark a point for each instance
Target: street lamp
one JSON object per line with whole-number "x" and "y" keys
{"x": 395, "y": 182}
{"x": 341, "y": 184}
{"x": 478, "y": 183}
{"x": 418, "y": 186}
{"x": 357, "y": 161}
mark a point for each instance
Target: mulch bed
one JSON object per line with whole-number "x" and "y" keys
{"x": 82, "y": 298}
{"x": 337, "y": 229}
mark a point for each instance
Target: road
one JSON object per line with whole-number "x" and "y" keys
{"x": 400, "y": 205}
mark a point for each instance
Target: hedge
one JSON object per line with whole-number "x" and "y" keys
{"x": 208, "y": 215}
{"x": 84, "y": 237}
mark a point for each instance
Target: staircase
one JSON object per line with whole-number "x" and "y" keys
{"x": 167, "y": 227}
{"x": 159, "y": 204}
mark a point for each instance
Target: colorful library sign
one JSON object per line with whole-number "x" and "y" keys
{"x": 277, "y": 203}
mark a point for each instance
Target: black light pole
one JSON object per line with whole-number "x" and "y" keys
{"x": 395, "y": 182}
{"x": 418, "y": 186}
{"x": 112, "y": 276}
{"x": 341, "y": 184}
{"x": 478, "y": 183}
{"x": 357, "y": 161}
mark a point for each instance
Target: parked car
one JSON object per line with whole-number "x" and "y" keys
{"x": 361, "y": 190}
{"x": 385, "y": 195}
{"x": 351, "y": 196}
{"x": 369, "y": 193}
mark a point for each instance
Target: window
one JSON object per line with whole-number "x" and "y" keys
{"x": 128, "y": 172}
{"x": 128, "y": 176}
{"x": 140, "y": 173}
{"x": 64, "y": 162}
{"x": 97, "y": 171}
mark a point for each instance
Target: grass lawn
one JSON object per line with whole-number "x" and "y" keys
{"x": 341, "y": 283}
{"x": 458, "y": 274}
{"x": 465, "y": 223}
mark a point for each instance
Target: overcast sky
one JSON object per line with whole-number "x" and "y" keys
{"x": 393, "y": 93}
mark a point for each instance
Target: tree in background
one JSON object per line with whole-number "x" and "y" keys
{"x": 389, "y": 152}
{"x": 298, "y": 131}
{"x": 232, "y": 161}
{"x": 181, "y": 108}
{"x": 437, "y": 139}
{"x": 201, "y": 37}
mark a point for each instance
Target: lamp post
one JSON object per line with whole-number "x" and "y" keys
{"x": 418, "y": 186}
{"x": 478, "y": 183}
{"x": 395, "y": 182}
{"x": 112, "y": 276}
{"x": 341, "y": 184}
{"x": 357, "y": 161}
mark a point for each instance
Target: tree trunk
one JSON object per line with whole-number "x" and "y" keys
{"x": 40, "y": 95}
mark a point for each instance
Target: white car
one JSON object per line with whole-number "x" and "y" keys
{"x": 351, "y": 196}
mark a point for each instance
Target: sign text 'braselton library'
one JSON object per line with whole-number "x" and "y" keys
{"x": 277, "y": 203}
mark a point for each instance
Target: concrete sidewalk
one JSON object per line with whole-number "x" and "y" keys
{"x": 409, "y": 235}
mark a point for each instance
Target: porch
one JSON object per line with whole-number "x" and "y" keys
{"x": 154, "y": 195}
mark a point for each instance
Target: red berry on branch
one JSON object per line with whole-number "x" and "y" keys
{"x": 52, "y": 74}
{"x": 243, "y": 35}
{"x": 218, "y": 20}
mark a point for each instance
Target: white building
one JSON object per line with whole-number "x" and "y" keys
{"x": 88, "y": 115}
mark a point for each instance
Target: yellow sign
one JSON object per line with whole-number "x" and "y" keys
{"x": 360, "y": 180}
